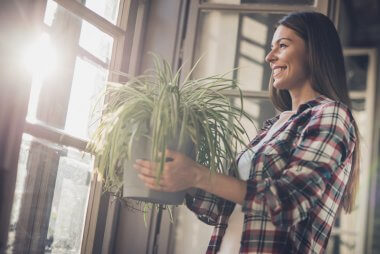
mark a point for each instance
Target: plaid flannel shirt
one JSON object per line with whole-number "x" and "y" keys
{"x": 295, "y": 185}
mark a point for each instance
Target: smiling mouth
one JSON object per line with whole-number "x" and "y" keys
{"x": 278, "y": 70}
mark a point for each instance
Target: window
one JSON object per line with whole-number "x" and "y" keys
{"x": 70, "y": 63}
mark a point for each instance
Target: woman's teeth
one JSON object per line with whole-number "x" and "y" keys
{"x": 278, "y": 70}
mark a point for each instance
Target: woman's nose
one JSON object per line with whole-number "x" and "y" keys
{"x": 271, "y": 57}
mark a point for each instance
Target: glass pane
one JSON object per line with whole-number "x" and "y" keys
{"x": 96, "y": 42}
{"x": 19, "y": 190}
{"x": 108, "y": 9}
{"x": 356, "y": 68}
{"x": 50, "y": 11}
{"x": 69, "y": 202}
{"x": 91, "y": 38}
{"x": 282, "y": 2}
{"x": 228, "y": 40}
{"x": 358, "y": 105}
{"x": 59, "y": 48}
{"x": 88, "y": 81}
{"x": 50, "y": 200}
{"x": 41, "y": 60}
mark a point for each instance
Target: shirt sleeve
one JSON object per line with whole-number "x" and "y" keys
{"x": 325, "y": 142}
{"x": 209, "y": 208}
{"x": 205, "y": 205}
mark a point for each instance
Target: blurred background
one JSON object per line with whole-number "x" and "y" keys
{"x": 56, "y": 55}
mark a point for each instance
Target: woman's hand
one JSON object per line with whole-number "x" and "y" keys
{"x": 179, "y": 172}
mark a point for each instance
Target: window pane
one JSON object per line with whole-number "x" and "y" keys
{"x": 88, "y": 81}
{"x": 69, "y": 203}
{"x": 356, "y": 68}
{"x": 91, "y": 38}
{"x": 108, "y": 9}
{"x": 96, "y": 42}
{"x": 358, "y": 105}
{"x": 281, "y": 2}
{"x": 228, "y": 40}
{"x": 51, "y": 8}
{"x": 50, "y": 201}
{"x": 19, "y": 190}
{"x": 77, "y": 75}
{"x": 41, "y": 60}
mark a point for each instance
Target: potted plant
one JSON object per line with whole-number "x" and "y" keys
{"x": 155, "y": 111}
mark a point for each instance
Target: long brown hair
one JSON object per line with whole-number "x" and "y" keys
{"x": 328, "y": 77}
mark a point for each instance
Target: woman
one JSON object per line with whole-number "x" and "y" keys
{"x": 302, "y": 166}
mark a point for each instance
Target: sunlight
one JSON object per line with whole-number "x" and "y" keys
{"x": 40, "y": 58}
{"x": 88, "y": 81}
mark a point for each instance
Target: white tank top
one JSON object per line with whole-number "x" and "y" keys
{"x": 232, "y": 237}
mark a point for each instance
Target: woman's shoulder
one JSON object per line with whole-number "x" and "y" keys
{"x": 333, "y": 117}
{"x": 332, "y": 109}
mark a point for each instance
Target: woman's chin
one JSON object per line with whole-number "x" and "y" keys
{"x": 278, "y": 85}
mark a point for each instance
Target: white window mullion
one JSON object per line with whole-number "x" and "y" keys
{"x": 92, "y": 17}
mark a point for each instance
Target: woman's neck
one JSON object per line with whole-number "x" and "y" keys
{"x": 302, "y": 95}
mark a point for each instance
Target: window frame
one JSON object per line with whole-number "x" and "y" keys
{"x": 121, "y": 59}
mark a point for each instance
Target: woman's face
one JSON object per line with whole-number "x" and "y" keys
{"x": 288, "y": 59}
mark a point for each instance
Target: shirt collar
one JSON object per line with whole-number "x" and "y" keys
{"x": 313, "y": 102}
{"x": 308, "y": 104}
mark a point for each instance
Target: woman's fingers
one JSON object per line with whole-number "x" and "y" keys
{"x": 143, "y": 171}
{"x": 152, "y": 183}
{"x": 148, "y": 175}
{"x": 176, "y": 174}
{"x": 149, "y": 180}
{"x": 145, "y": 163}
{"x": 145, "y": 167}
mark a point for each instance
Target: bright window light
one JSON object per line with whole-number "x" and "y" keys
{"x": 41, "y": 57}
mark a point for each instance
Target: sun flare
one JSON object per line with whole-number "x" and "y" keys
{"x": 40, "y": 58}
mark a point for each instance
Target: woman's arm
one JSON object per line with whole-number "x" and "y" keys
{"x": 183, "y": 173}
{"x": 221, "y": 185}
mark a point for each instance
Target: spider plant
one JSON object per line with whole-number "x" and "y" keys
{"x": 166, "y": 110}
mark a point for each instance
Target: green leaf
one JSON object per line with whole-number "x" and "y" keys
{"x": 158, "y": 106}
